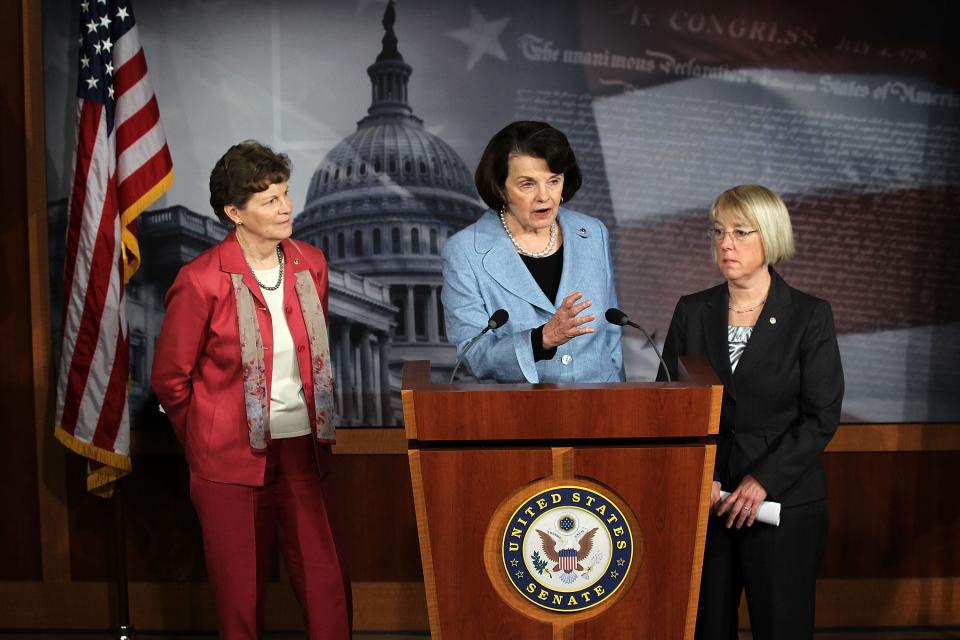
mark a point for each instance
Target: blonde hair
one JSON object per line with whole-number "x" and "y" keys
{"x": 762, "y": 209}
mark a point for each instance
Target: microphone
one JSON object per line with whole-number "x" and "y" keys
{"x": 498, "y": 319}
{"x": 619, "y": 318}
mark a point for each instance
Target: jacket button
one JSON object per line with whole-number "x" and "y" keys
{"x": 566, "y": 359}
{"x": 301, "y": 349}
{"x": 288, "y": 309}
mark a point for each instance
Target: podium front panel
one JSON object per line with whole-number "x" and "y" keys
{"x": 466, "y": 497}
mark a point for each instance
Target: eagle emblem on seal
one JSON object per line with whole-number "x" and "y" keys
{"x": 567, "y": 548}
{"x": 567, "y": 555}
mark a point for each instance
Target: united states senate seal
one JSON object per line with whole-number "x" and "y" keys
{"x": 567, "y": 548}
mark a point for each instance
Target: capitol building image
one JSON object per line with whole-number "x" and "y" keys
{"x": 380, "y": 205}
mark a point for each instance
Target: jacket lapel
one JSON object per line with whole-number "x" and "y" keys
{"x": 575, "y": 253}
{"x": 293, "y": 259}
{"x": 769, "y": 325}
{"x": 502, "y": 263}
{"x": 232, "y": 261}
{"x": 715, "y": 329}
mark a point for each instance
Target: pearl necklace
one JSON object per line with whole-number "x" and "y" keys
{"x": 279, "y": 277}
{"x": 547, "y": 250}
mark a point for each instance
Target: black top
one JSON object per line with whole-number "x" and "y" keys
{"x": 546, "y": 271}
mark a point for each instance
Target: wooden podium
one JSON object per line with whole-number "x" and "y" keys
{"x": 549, "y": 512}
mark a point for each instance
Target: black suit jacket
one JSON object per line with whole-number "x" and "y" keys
{"x": 782, "y": 405}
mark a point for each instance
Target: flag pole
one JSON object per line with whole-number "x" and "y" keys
{"x": 124, "y": 630}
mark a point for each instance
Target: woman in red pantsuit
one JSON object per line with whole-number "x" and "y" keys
{"x": 242, "y": 369}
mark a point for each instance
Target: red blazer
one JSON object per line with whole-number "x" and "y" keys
{"x": 196, "y": 365}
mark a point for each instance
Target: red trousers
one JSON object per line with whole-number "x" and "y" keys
{"x": 241, "y": 524}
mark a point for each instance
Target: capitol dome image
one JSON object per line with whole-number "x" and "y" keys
{"x": 380, "y": 205}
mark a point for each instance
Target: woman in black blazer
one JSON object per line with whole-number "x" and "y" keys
{"x": 774, "y": 349}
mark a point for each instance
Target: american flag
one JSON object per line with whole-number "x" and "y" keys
{"x": 122, "y": 165}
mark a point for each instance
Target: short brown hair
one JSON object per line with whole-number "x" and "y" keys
{"x": 527, "y": 138}
{"x": 246, "y": 168}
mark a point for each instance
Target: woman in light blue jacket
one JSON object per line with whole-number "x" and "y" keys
{"x": 549, "y": 267}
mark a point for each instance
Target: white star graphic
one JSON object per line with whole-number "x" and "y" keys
{"x": 91, "y": 26}
{"x": 122, "y": 14}
{"x": 84, "y": 62}
{"x": 92, "y": 82}
{"x": 110, "y": 92}
{"x": 513, "y": 562}
{"x": 481, "y": 38}
{"x": 97, "y": 47}
{"x": 105, "y": 22}
{"x": 109, "y": 68}
{"x": 85, "y": 6}
{"x": 621, "y": 562}
{"x": 107, "y": 45}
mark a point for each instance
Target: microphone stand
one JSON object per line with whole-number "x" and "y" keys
{"x": 464, "y": 353}
{"x": 653, "y": 344}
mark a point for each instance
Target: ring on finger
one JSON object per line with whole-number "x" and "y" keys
{"x": 747, "y": 508}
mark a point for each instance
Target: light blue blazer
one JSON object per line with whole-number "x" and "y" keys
{"x": 482, "y": 272}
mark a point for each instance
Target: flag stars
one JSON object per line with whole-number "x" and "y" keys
{"x": 105, "y": 22}
{"x": 85, "y": 6}
{"x": 107, "y": 45}
{"x": 92, "y": 83}
{"x": 108, "y": 68}
{"x": 84, "y": 62}
{"x": 110, "y": 92}
{"x": 482, "y": 38}
{"x": 91, "y": 26}
{"x": 122, "y": 14}
{"x": 97, "y": 47}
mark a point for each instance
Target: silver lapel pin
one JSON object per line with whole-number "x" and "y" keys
{"x": 583, "y": 232}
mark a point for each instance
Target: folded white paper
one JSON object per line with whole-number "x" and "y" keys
{"x": 767, "y": 513}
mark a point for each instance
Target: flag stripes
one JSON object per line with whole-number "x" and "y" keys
{"x": 122, "y": 164}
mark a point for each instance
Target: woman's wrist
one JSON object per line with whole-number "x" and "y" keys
{"x": 540, "y": 352}
{"x": 548, "y": 342}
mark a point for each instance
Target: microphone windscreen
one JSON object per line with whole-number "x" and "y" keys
{"x": 498, "y": 319}
{"x": 617, "y": 317}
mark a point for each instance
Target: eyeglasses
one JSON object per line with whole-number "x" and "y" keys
{"x": 716, "y": 234}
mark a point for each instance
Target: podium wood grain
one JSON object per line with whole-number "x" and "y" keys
{"x": 477, "y": 452}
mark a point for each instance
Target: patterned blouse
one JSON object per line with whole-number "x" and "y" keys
{"x": 737, "y": 338}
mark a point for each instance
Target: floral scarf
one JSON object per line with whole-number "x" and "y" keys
{"x": 254, "y": 370}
